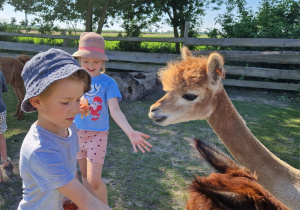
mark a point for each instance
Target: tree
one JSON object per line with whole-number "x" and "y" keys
{"x": 275, "y": 19}
{"x": 89, "y": 16}
{"x": 102, "y": 17}
{"x": 95, "y": 12}
{"x": 48, "y": 11}
{"x": 92, "y": 12}
{"x": 177, "y": 12}
{"x": 138, "y": 14}
{"x": 279, "y": 19}
{"x": 173, "y": 12}
{"x": 241, "y": 25}
{"x": 1, "y": 4}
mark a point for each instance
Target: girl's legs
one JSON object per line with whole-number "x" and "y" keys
{"x": 3, "y": 149}
{"x": 83, "y": 170}
{"x": 94, "y": 171}
{"x": 91, "y": 159}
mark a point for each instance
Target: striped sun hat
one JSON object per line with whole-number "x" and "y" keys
{"x": 91, "y": 45}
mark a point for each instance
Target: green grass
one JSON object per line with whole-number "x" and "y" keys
{"x": 160, "y": 47}
{"x": 160, "y": 179}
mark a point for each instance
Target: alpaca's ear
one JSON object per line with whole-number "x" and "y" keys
{"x": 185, "y": 53}
{"x": 215, "y": 70}
{"x": 215, "y": 157}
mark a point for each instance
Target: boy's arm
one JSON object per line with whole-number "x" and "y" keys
{"x": 78, "y": 194}
{"x": 136, "y": 137}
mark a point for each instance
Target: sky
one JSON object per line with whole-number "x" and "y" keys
{"x": 208, "y": 21}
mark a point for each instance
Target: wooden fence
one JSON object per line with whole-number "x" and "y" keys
{"x": 150, "y": 62}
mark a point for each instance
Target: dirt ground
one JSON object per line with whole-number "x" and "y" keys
{"x": 271, "y": 97}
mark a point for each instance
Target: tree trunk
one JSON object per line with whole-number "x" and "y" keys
{"x": 102, "y": 17}
{"x": 135, "y": 85}
{"x": 176, "y": 34}
{"x": 88, "y": 17}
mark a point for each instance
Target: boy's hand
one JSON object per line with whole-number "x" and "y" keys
{"x": 137, "y": 140}
{"x": 79, "y": 195}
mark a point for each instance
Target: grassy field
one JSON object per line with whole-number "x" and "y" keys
{"x": 160, "y": 179}
{"x": 109, "y": 45}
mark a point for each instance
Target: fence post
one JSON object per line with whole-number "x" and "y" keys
{"x": 186, "y": 31}
{"x": 65, "y": 40}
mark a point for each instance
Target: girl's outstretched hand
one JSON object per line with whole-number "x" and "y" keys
{"x": 137, "y": 140}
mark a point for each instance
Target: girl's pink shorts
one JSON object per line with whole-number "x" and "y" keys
{"x": 92, "y": 145}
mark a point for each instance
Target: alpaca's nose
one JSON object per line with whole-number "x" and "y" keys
{"x": 154, "y": 109}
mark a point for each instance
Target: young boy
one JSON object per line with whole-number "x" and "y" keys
{"x": 54, "y": 85}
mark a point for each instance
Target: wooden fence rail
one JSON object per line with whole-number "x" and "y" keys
{"x": 151, "y": 62}
{"x": 225, "y": 42}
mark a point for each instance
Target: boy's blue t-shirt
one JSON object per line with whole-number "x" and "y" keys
{"x": 3, "y": 89}
{"x": 47, "y": 162}
{"x": 103, "y": 89}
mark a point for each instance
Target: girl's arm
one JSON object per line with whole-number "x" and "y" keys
{"x": 136, "y": 137}
{"x": 79, "y": 195}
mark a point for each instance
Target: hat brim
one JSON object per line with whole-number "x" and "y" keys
{"x": 90, "y": 54}
{"x": 43, "y": 82}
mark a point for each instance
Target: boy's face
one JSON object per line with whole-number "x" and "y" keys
{"x": 92, "y": 65}
{"x": 57, "y": 110}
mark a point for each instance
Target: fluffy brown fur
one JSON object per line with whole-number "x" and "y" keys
{"x": 180, "y": 75}
{"x": 234, "y": 187}
{"x": 12, "y": 69}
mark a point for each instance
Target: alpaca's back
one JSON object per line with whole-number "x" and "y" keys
{"x": 234, "y": 187}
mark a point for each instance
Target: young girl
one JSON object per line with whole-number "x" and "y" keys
{"x": 93, "y": 129}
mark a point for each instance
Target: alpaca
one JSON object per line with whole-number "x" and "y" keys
{"x": 194, "y": 91}
{"x": 235, "y": 187}
{"x": 12, "y": 69}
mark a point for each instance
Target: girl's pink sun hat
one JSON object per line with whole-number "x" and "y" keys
{"x": 91, "y": 45}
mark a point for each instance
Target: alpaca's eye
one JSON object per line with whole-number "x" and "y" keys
{"x": 189, "y": 97}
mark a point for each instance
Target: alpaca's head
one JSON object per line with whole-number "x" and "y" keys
{"x": 190, "y": 85}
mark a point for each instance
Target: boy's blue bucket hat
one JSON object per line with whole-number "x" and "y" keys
{"x": 44, "y": 69}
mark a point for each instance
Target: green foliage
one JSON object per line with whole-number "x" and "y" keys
{"x": 275, "y": 19}
{"x": 2, "y": 3}
{"x": 9, "y": 27}
{"x": 213, "y": 33}
{"x": 160, "y": 47}
{"x": 48, "y": 11}
{"x": 176, "y": 13}
{"x": 279, "y": 19}
{"x": 132, "y": 29}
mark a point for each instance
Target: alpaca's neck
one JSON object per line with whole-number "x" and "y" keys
{"x": 279, "y": 178}
{"x": 233, "y": 131}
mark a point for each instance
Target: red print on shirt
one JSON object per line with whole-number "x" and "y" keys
{"x": 95, "y": 108}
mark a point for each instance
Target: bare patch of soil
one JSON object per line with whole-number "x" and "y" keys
{"x": 273, "y": 98}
